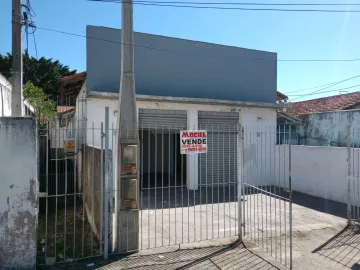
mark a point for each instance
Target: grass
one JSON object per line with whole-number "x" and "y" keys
{"x": 69, "y": 234}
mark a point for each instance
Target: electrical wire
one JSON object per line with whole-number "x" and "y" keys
{"x": 237, "y": 3}
{"x": 333, "y": 90}
{"x": 36, "y": 52}
{"x": 317, "y": 91}
{"x": 332, "y": 84}
{"x": 231, "y": 8}
{"x": 207, "y": 55}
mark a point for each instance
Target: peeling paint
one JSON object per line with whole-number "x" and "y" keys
{"x": 18, "y": 193}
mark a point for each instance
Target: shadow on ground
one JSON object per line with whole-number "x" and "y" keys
{"x": 343, "y": 248}
{"x": 235, "y": 256}
{"x": 318, "y": 204}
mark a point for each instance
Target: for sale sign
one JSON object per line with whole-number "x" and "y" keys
{"x": 193, "y": 141}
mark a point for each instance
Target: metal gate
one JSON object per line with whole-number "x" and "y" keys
{"x": 266, "y": 178}
{"x": 179, "y": 202}
{"x": 353, "y": 186}
{"x": 175, "y": 208}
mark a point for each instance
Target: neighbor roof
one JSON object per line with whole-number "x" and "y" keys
{"x": 326, "y": 104}
{"x": 281, "y": 96}
{"x": 81, "y": 75}
{"x": 65, "y": 109}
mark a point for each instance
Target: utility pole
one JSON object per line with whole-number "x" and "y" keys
{"x": 125, "y": 235}
{"x": 17, "y": 63}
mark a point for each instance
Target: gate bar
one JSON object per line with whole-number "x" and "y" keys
{"x": 106, "y": 180}
{"x": 290, "y": 198}
{"x": 349, "y": 174}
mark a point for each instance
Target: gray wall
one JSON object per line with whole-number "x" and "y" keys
{"x": 329, "y": 128}
{"x": 181, "y": 68}
{"x": 18, "y": 193}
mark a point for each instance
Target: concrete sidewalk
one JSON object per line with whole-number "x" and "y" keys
{"x": 321, "y": 240}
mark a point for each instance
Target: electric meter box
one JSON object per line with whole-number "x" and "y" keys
{"x": 129, "y": 193}
{"x": 129, "y": 175}
{"x": 129, "y": 159}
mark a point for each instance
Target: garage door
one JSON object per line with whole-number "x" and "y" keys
{"x": 162, "y": 119}
{"x": 219, "y": 165}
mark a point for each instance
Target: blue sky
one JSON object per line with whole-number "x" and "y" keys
{"x": 292, "y": 35}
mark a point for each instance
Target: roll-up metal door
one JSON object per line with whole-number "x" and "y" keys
{"x": 162, "y": 119}
{"x": 219, "y": 165}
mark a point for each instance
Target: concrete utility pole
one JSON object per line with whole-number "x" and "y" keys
{"x": 17, "y": 64}
{"x": 126, "y": 165}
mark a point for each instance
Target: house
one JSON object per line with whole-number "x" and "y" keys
{"x": 5, "y": 99}
{"x": 70, "y": 87}
{"x": 180, "y": 84}
{"x": 325, "y": 119}
{"x": 285, "y": 122}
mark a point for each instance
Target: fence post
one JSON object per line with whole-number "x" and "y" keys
{"x": 241, "y": 195}
{"x": 106, "y": 184}
{"x": 349, "y": 174}
{"x": 290, "y": 198}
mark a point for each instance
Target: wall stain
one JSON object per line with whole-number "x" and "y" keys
{"x": 32, "y": 193}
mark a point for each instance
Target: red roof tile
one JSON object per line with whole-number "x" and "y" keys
{"x": 75, "y": 76}
{"x": 281, "y": 96}
{"x": 326, "y": 104}
{"x": 65, "y": 109}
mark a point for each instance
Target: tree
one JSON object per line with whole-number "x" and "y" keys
{"x": 44, "y": 73}
{"x": 44, "y": 108}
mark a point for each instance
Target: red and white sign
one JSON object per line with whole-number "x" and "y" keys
{"x": 193, "y": 141}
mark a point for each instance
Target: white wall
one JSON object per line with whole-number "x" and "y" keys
{"x": 5, "y": 97}
{"x": 18, "y": 193}
{"x": 260, "y": 117}
{"x": 57, "y": 134}
{"x": 319, "y": 171}
{"x": 259, "y": 146}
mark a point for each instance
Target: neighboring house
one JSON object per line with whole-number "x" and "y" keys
{"x": 5, "y": 96}
{"x": 5, "y": 99}
{"x": 284, "y": 121}
{"x": 70, "y": 87}
{"x": 181, "y": 84}
{"x": 325, "y": 119}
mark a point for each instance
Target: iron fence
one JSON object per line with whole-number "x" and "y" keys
{"x": 239, "y": 187}
{"x": 267, "y": 209}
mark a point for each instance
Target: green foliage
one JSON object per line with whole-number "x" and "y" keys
{"x": 44, "y": 73}
{"x": 44, "y": 108}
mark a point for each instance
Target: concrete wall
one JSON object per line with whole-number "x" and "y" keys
{"x": 18, "y": 193}
{"x": 329, "y": 128}
{"x": 181, "y": 68}
{"x": 319, "y": 171}
{"x": 5, "y": 97}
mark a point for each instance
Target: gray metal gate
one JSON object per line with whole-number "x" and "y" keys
{"x": 266, "y": 186}
{"x": 222, "y": 130}
{"x": 174, "y": 208}
{"x": 177, "y": 203}
{"x": 353, "y": 186}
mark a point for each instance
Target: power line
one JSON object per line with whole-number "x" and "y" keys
{"x": 36, "y": 52}
{"x": 317, "y": 91}
{"x": 235, "y": 3}
{"x": 160, "y": 4}
{"x": 332, "y": 84}
{"x": 207, "y": 55}
{"x": 334, "y": 90}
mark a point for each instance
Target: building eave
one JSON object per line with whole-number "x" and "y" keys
{"x": 104, "y": 95}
